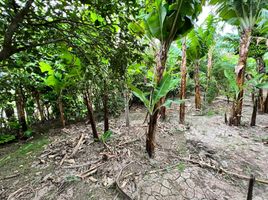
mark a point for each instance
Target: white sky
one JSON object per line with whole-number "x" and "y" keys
{"x": 226, "y": 28}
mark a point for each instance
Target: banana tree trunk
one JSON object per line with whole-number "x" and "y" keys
{"x": 163, "y": 108}
{"x": 20, "y": 104}
{"x": 61, "y": 109}
{"x": 261, "y": 69}
{"x": 240, "y": 69}
{"x": 183, "y": 82}
{"x": 260, "y": 101}
{"x": 127, "y": 107}
{"x": 209, "y": 69}
{"x": 91, "y": 115}
{"x": 161, "y": 59}
{"x": 197, "y": 86}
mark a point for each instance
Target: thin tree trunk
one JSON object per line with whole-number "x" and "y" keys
{"x": 127, "y": 107}
{"x": 260, "y": 101}
{"x": 91, "y": 115}
{"x": 20, "y": 104}
{"x": 183, "y": 82}
{"x": 163, "y": 108}
{"x": 197, "y": 87}
{"x": 240, "y": 77}
{"x": 261, "y": 69}
{"x": 161, "y": 59}
{"x": 105, "y": 109}
{"x": 2, "y": 124}
{"x": 61, "y": 109}
{"x": 47, "y": 109}
{"x": 39, "y": 107}
{"x": 209, "y": 69}
{"x": 254, "y": 113}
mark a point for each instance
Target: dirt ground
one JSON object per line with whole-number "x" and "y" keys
{"x": 51, "y": 167}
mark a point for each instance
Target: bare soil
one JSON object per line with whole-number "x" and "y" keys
{"x": 121, "y": 169}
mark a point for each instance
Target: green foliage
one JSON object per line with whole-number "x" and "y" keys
{"x": 106, "y": 136}
{"x": 28, "y": 134}
{"x": 20, "y": 155}
{"x": 212, "y": 91}
{"x": 167, "y": 84}
{"x": 233, "y": 88}
{"x": 72, "y": 179}
{"x": 168, "y": 20}
{"x": 243, "y": 13}
{"x": 6, "y": 138}
{"x": 14, "y": 125}
{"x": 181, "y": 167}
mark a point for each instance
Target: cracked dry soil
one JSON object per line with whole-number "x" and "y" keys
{"x": 122, "y": 170}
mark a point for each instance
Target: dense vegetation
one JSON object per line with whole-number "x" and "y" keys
{"x": 72, "y": 60}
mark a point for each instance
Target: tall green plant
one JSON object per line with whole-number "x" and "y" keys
{"x": 165, "y": 21}
{"x": 244, "y": 14}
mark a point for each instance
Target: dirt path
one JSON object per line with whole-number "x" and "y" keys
{"x": 98, "y": 171}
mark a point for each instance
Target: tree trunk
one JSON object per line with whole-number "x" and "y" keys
{"x": 105, "y": 109}
{"x": 61, "y": 109}
{"x": 240, "y": 77}
{"x": 20, "y": 104}
{"x": 39, "y": 107}
{"x": 47, "y": 109}
{"x": 161, "y": 59}
{"x": 266, "y": 104}
{"x": 197, "y": 87}
{"x": 163, "y": 108}
{"x": 254, "y": 113}
{"x": 209, "y": 69}
{"x": 127, "y": 107}
{"x": 2, "y": 122}
{"x": 260, "y": 101}
{"x": 150, "y": 138}
{"x": 183, "y": 82}
{"x": 261, "y": 69}
{"x": 91, "y": 115}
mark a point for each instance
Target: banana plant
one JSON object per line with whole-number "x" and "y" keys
{"x": 165, "y": 21}
{"x": 245, "y": 15}
{"x": 150, "y": 101}
{"x": 257, "y": 82}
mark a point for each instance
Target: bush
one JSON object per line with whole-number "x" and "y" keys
{"x": 6, "y": 138}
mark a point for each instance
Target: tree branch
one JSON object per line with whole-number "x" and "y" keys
{"x": 8, "y": 49}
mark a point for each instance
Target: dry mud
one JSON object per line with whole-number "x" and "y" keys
{"x": 121, "y": 169}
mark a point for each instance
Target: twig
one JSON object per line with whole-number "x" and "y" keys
{"x": 118, "y": 188}
{"x": 63, "y": 159}
{"x": 221, "y": 170}
{"x": 17, "y": 191}
{"x": 89, "y": 172}
{"x": 78, "y": 145}
{"x": 145, "y": 119}
{"x": 11, "y": 176}
{"x": 82, "y": 165}
{"x": 74, "y": 150}
{"x": 128, "y": 142}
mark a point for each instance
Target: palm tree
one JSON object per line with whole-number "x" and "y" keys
{"x": 243, "y": 14}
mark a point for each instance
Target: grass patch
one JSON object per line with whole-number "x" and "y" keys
{"x": 21, "y": 154}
